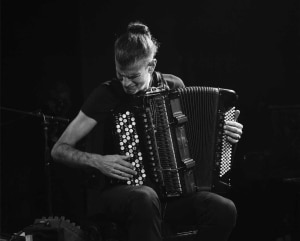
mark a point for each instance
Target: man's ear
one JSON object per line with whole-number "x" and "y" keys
{"x": 152, "y": 65}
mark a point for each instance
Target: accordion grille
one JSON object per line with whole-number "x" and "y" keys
{"x": 166, "y": 157}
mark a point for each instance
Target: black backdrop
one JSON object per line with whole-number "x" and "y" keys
{"x": 53, "y": 53}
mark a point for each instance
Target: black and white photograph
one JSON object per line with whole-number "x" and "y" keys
{"x": 150, "y": 120}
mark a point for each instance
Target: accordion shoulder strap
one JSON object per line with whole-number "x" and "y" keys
{"x": 159, "y": 81}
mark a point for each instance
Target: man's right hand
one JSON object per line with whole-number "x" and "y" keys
{"x": 116, "y": 166}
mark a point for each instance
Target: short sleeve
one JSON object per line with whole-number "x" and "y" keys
{"x": 99, "y": 103}
{"x": 173, "y": 81}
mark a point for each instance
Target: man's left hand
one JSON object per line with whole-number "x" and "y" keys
{"x": 233, "y": 129}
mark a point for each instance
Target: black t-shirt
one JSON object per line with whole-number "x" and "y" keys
{"x": 99, "y": 105}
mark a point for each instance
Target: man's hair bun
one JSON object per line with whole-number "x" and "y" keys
{"x": 138, "y": 28}
{"x": 135, "y": 44}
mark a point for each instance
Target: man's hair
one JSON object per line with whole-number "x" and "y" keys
{"x": 135, "y": 44}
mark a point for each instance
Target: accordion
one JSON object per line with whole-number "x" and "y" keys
{"x": 175, "y": 139}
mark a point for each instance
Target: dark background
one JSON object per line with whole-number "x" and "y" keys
{"x": 53, "y": 53}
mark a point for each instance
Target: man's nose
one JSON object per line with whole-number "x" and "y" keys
{"x": 126, "y": 81}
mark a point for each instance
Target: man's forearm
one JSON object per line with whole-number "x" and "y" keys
{"x": 70, "y": 156}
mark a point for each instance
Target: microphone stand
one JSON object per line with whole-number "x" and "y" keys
{"x": 47, "y": 157}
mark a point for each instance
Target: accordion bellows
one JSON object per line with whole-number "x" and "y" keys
{"x": 176, "y": 140}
